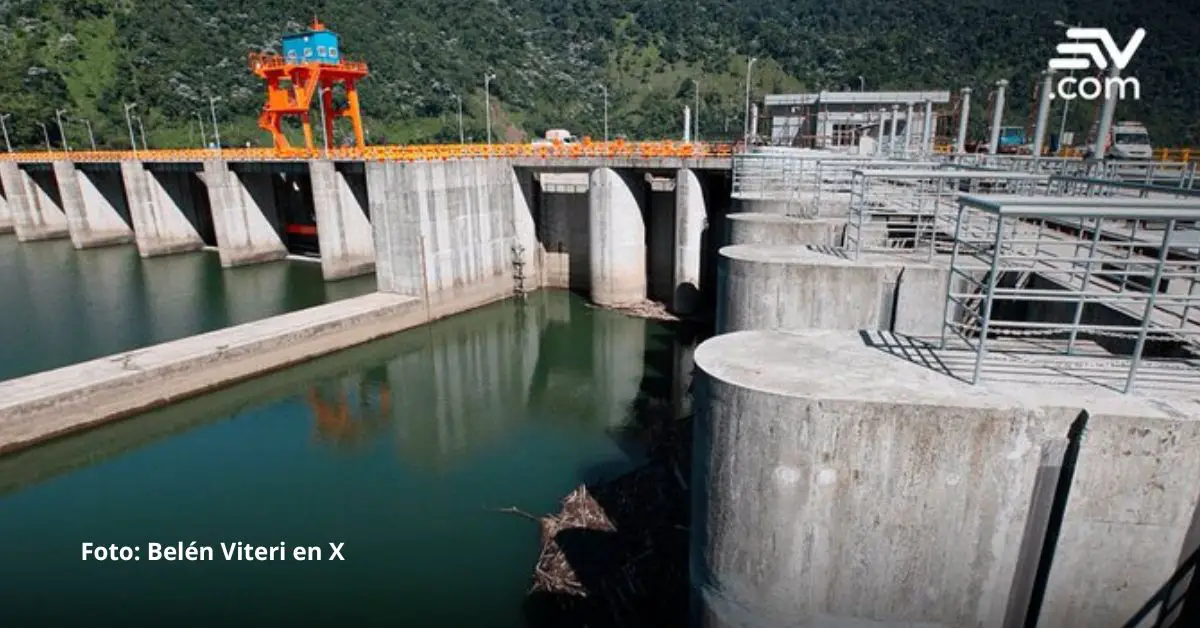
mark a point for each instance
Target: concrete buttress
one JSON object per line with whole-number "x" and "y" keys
{"x": 160, "y": 226}
{"x": 240, "y": 206}
{"x": 6, "y": 218}
{"x": 36, "y": 213}
{"x": 691, "y": 218}
{"x": 343, "y": 230}
{"x": 91, "y": 208}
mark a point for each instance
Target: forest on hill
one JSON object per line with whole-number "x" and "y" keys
{"x": 551, "y": 57}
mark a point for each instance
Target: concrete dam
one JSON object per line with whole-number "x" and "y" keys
{"x": 953, "y": 391}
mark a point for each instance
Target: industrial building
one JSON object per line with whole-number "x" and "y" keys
{"x": 852, "y": 121}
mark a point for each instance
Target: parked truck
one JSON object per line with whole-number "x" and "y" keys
{"x": 556, "y": 136}
{"x": 1127, "y": 140}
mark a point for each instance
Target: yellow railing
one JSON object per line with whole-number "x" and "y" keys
{"x": 426, "y": 152}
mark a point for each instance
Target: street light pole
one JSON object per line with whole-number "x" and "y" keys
{"x": 1062, "y": 126}
{"x": 91, "y": 137}
{"x": 487, "y": 100}
{"x": 462, "y": 138}
{"x": 46, "y": 136}
{"x": 862, "y": 84}
{"x": 203, "y": 137}
{"x": 62, "y": 135}
{"x": 212, "y": 108}
{"x": 746, "y": 136}
{"x": 696, "y": 121}
{"x": 4, "y": 127}
{"x": 129, "y": 123}
{"x": 143, "y": 130}
{"x": 604, "y": 88}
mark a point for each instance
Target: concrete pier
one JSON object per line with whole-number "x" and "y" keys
{"x": 243, "y": 208}
{"x": 691, "y": 219}
{"x": 459, "y": 233}
{"x": 617, "y": 232}
{"x": 343, "y": 230}
{"x": 34, "y": 203}
{"x": 93, "y": 206}
{"x": 6, "y": 217}
{"x": 157, "y": 205}
{"x": 798, "y": 288}
{"x": 53, "y": 403}
{"x": 773, "y": 229}
{"x": 850, "y": 479}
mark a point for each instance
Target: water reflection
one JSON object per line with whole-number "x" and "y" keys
{"x": 63, "y": 306}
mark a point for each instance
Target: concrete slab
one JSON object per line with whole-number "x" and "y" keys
{"x": 854, "y": 479}
{"x": 58, "y": 402}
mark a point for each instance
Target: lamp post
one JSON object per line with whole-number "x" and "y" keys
{"x": 142, "y": 128}
{"x": 862, "y": 84}
{"x": 91, "y": 137}
{"x": 746, "y": 137}
{"x": 1062, "y": 126}
{"x": 604, "y": 89}
{"x": 4, "y": 128}
{"x": 696, "y": 121}
{"x": 129, "y": 123}
{"x": 203, "y": 138}
{"x": 62, "y": 135}
{"x": 462, "y": 138}
{"x": 212, "y": 108}
{"x": 46, "y": 136}
{"x": 324, "y": 125}
{"x": 487, "y": 104}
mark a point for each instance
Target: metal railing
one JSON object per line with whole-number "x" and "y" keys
{"x": 911, "y": 211}
{"x": 1083, "y": 186}
{"x": 808, "y": 179}
{"x": 428, "y": 152}
{"x": 1169, "y": 607}
{"x": 1062, "y": 271}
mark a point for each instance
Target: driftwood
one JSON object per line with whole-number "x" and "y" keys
{"x": 652, "y": 310}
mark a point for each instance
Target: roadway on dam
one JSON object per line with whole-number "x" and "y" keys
{"x": 400, "y": 449}
{"x": 62, "y": 306}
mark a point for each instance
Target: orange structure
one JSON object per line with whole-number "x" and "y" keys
{"x": 311, "y": 62}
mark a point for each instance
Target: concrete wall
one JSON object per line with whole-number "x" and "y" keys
{"x": 91, "y": 204}
{"x": 241, "y": 204}
{"x": 660, "y": 245}
{"x": 343, "y": 230}
{"x": 159, "y": 204}
{"x": 851, "y": 482}
{"x": 618, "y": 237}
{"x": 34, "y": 203}
{"x": 450, "y": 232}
{"x": 775, "y": 229}
{"x": 798, "y": 288}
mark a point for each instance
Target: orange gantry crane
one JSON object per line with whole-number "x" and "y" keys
{"x": 311, "y": 62}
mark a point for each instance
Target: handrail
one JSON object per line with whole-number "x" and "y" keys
{"x": 416, "y": 152}
{"x": 1168, "y": 600}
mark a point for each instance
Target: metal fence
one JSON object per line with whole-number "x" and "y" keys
{"x": 912, "y": 211}
{"x": 1181, "y": 174}
{"x": 1074, "y": 274}
{"x": 1083, "y": 186}
{"x": 807, "y": 178}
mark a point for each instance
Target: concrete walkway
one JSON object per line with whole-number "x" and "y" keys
{"x": 53, "y": 403}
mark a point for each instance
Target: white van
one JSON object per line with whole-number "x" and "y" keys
{"x": 1127, "y": 140}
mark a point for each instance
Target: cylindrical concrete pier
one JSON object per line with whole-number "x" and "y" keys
{"x": 617, "y": 235}
{"x": 839, "y": 486}
{"x": 773, "y": 229}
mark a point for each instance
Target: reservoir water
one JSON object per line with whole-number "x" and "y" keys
{"x": 59, "y": 306}
{"x": 402, "y": 450}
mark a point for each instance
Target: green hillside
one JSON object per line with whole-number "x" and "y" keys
{"x": 551, "y": 56}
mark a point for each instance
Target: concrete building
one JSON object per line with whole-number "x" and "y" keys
{"x": 852, "y": 120}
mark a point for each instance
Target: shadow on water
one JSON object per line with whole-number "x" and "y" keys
{"x": 636, "y": 575}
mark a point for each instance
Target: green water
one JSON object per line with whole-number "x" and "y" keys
{"x": 512, "y": 405}
{"x": 59, "y": 306}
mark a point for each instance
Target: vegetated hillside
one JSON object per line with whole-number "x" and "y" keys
{"x": 551, "y": 56}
